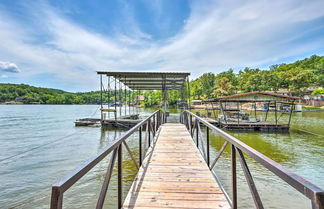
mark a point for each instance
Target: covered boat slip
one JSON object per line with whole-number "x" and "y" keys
{"x": 150, "y": 80}
{"x": 242, "y": 111}
{"x": 175, "y": 175}
{"x": 121, "y": 92}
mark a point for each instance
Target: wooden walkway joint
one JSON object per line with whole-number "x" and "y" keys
{"x": 174, "y": 175}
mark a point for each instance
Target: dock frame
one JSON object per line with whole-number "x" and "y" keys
{"x": 159, "y": 157}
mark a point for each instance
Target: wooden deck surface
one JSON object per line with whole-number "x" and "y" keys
{"x": 175, "y": 175}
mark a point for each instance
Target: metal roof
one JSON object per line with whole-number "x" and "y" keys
{"x": 258, "y": 96}
{"x": 150, "y": 80}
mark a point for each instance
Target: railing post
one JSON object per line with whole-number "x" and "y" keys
{"x": 234, "y": 183}
{"x": 318, "y": 203}
{"x": 154, "y": 124}
{"x": 56, "y": 198}
{"x": 149, "y": 131}
{"x": 120, "y": 177}
{"x": 159, "y": 119}
{"x": 207, "y": 141}
{"x": 197, "y": 132}
{"x": 185, "y": 117}
{"x": 190, "y": 122}
{"x": 140, "y": 146}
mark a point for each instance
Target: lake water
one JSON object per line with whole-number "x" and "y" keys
{"x": 40, "y": 144}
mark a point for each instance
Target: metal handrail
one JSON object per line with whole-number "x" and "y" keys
{"x": 311, "y": 191}
{"x": 65, "y": 183}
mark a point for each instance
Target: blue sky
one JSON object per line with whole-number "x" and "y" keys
{"x": 60, "y": 44}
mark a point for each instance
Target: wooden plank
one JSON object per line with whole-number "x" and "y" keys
{"x": 175, "y": 175}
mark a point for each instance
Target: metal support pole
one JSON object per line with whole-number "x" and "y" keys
{"x": 188, "y": 84}
{"x": 234, "y": 183}
{"x": 108, "y": 94}
{"x": 115, "y": 98}
{"x": 125, "y": 97}
{"x": 120, "y": 177}
{"x": 250, "y": 182}
{"x": 56, "y": 199}
{"x": 140, "y": 146}
{"x": 291, "y": 111}
{"x": 101, "y": 118}
{"x": 106, "y": 182}
{"x": 276, "y": 113}
{"x": 120, "y": 98}
{"x": 207, "y": 136}
{"x": 238, "y": 113}
{"x": 255, "y": 107}
{"x": 149, "y": 132}
{"x": 197, "y": 132}
{"x": 266, "y": 117}
{"x": 190, "y": 122}
{"x": 129, "y": 101}
{"x": 154, "y": 124}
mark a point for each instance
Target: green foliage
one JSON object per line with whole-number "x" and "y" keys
{"x": 30, "y": 94}
{"x": 318, "y": 91}
{"x": 203, "y": 87}
{"x": 295, "y": 77}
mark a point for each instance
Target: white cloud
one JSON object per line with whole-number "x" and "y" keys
{"x": 3, "y": 76}
{"x": 216, "y": 36}
{"x": 9, "y": 67}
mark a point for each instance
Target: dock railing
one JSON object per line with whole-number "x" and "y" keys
{"x": 193, "y": 122}
{"x": 148, "y": 126}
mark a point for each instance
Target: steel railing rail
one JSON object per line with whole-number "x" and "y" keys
{"x": 151, "y": 123}
{"x": 311, "y": 191}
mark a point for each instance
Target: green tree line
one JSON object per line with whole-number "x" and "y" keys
{"x": 295, "y": 77}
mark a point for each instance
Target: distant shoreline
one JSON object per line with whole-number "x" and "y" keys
{"x": 45, "y": 104}
{"x": 318, "y": 110}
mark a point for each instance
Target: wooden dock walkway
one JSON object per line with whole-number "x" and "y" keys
{"x": 174, "y": 175}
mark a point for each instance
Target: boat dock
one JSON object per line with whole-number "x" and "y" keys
{"x": 175, "y": 175}
{"x": 255, "y": 126}
{"x": 126, "y": 121}
{"x": 175, "y": 168}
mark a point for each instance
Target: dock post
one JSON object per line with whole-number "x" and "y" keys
{"x": 56, "y": 199}
{"x": 149, "y": 131}
{"x": 125, "y": 96}
{"x": 115, "y": 95}
{"x": 276, "y": 113}
{"x": 197, "y": 133}
{"x": 140, "y": 146}
{"x": 120, "y": 92}
{"x": 207, "y": 136}
{"x": 291, "y": 111}
{"x": 101, "y": 118}
{"x": 108, "y": 94}
{"x": 234, "y": 184}
{"x": 190, "y": 122}
{"x": 120, "y": 177}
{"x": 154, "y": 125}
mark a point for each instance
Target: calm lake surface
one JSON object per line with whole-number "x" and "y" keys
{"x": 40, "y": 144}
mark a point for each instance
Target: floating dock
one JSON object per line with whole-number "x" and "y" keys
{"x": 253, "y": 126}
{"x": 126, "y": 121}
{"x": 175, "y": 175}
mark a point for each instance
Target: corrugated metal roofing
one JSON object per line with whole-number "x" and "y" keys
{"x": 149, "y": 80}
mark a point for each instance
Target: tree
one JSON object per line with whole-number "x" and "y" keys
{"x": 207, "y": 81}
{"x": 224, "y": 87}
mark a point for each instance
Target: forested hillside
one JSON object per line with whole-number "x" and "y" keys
{"x": 30, "y": 94}
{"x": 295, "y": 77}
